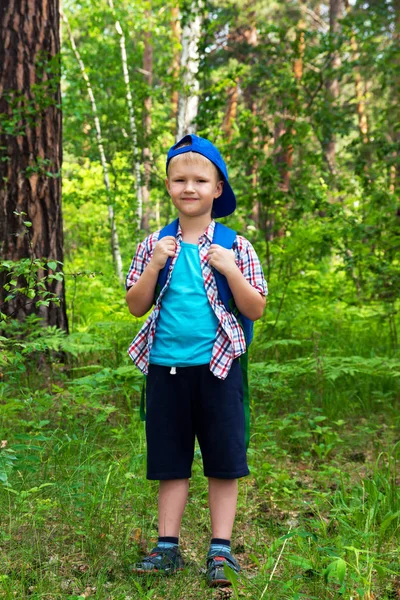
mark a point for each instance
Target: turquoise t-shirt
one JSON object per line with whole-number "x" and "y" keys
{"x": 187, "y": 326}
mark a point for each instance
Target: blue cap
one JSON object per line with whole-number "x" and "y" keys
{"x": 226, "y": 203}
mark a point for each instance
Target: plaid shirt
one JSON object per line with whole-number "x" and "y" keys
{"x": 229, "y": 342}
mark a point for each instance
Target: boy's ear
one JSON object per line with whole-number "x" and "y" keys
{"x": 167, "y": 185}
{"x": 218, "y": 189}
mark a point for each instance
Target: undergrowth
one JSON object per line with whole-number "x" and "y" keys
{"x": 318, "y": 517}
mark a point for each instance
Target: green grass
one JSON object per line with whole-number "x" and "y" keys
{"x": 319, "y": 516}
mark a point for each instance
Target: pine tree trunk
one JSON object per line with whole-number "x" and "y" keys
{"x": 31, "y": 146}
{"x": 394, "y": 171}
{"x": 284, "y": 154}
{"x": 231, "y": 110}
{"x": 332, "y": 85}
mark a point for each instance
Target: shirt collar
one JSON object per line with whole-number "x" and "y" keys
{"x": 208, "y": 234}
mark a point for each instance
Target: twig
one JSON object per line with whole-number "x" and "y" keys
{"x": 275, "y": 565}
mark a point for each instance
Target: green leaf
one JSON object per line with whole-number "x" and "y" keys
{"x": 336, "y": 569}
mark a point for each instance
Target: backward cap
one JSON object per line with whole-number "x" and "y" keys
{"x": 226, "y": 203}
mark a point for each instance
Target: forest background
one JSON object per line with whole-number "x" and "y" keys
{"x": 302, "y": 100}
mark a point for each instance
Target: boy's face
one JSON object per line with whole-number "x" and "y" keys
{"x": 193, "y": 187}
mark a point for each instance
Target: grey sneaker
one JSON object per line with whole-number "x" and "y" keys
{"x": 215, "y": 568}
{"x": 160, "y": 560}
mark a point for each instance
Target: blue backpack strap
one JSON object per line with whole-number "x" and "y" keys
{"x": 225, "y": 237}
{"x": 170, "y": 229}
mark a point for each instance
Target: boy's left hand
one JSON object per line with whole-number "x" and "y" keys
{"x": 221, "y": 259}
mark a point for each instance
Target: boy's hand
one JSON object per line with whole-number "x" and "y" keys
{"x": 221, "y": 259}
{"x": 164, "y": 249}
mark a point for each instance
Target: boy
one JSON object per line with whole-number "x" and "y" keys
{"x": 189, "y": 348}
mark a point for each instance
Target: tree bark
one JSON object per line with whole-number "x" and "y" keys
{"x": 176, "y": 38}
{"x": 332, "y": 84}
{"x": 148, "y": 70}
{"x": 30, "y": 181}
{"x": 188, "y": 97}
{"x": 231, "y": 110}
{"x": 394, "y": 171}
{"x": 284, "y": 155}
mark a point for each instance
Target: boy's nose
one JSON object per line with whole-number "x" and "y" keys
{"x": 189, "y": 187}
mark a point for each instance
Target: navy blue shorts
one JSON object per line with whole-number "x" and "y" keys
{"x": 194, "y": 403}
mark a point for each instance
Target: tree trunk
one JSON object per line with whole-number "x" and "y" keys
{"x": 394, "y": 171}
{"x": 31, "y": 145}
{"x": 176, "y": 38}
{"x": 132, "y": 120}
{"x": 284, "y": 154}
{"x": 189, "y": 100}
{"x": 332, "y": 85}
{"x": 115, "y": 251}
{"x": 231, "y": 110}
{"x": 148, "y": 70}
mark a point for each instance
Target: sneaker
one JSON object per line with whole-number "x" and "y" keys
{"x": 160, "y": 560}
{"x": 215, "y": 568}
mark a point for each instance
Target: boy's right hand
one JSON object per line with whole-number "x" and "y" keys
{"x": 164, "y": 249}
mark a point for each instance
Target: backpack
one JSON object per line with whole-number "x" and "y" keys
{"x": 225, "y": 237}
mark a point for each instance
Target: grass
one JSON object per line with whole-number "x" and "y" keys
{"x": 319, "y": 516}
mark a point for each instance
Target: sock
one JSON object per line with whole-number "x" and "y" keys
{"x": 167, "y": 542}
{"x": 219, "y": 544}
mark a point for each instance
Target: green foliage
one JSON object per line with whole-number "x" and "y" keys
{"x": 29, "y": 277}
{"x": 319, "y": 516}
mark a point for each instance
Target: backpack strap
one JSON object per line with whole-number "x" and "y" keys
{"x": 170, "y": 229}
{"x": 225, "y": 237}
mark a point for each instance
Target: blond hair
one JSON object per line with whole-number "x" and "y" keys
{"x": 194, "y": 158}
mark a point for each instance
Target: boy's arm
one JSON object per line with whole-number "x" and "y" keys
{"x": 249, "y": 300}
{"x": 140, "y": 296}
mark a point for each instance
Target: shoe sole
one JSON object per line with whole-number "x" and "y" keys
{"x": 154, "y": 571}
{"x": 219, "y": 583}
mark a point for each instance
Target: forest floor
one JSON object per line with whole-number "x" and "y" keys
{"x": 318, "y": 518}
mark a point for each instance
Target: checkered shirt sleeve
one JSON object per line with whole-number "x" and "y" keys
{"x": 249, "y": 264}
{"x": 143, "y": 254}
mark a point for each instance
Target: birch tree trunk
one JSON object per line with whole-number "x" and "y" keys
{"x": 188, "y": 97}
{"x": 176, "y": 39}
{"x": 116, "y": 254}
{"x": 30, "y": 179}
{"x": 148, "y": 70}
{"x": 132, "y": 120}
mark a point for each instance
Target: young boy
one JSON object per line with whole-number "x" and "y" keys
{"x": 189, "y": 348}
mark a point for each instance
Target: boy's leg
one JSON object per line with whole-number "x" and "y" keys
{"x": 222, "y": 500}
{"x": 172, "y": 497}
{"x": 166, "y": 556}
{"x": 222, "y": 497}
{"x": 221, "y": 434}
